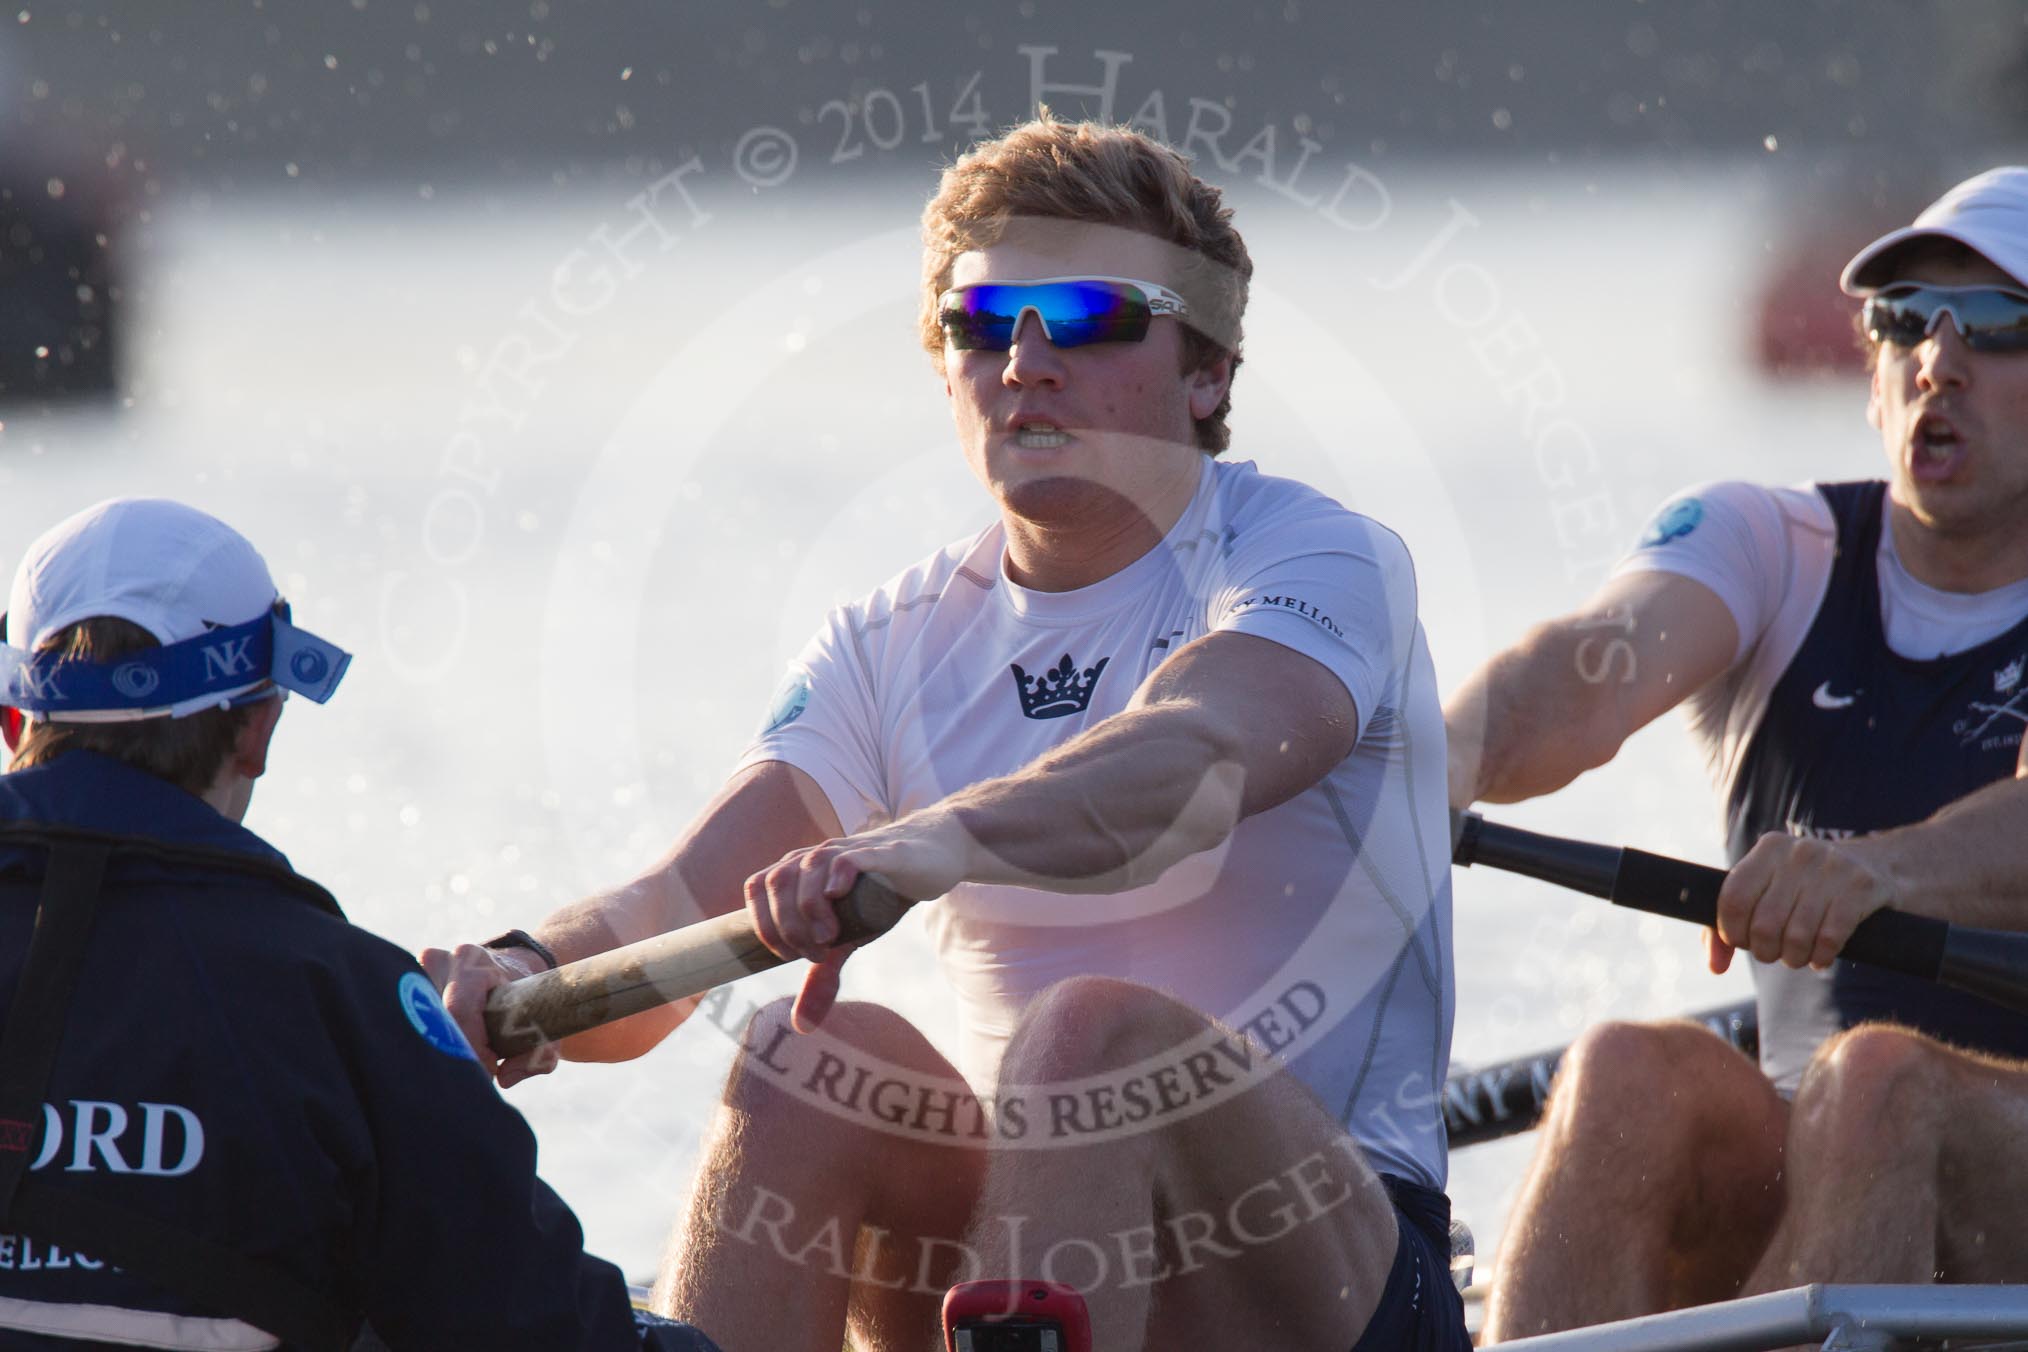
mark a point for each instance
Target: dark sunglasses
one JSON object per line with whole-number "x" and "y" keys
{"x": 1988, "y": 318}
{"x": 1073, "y": 310}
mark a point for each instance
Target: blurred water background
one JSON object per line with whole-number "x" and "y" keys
{"x": 573, "y": 472}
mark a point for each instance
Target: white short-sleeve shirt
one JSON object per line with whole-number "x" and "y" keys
{"x": 1321, "y": 926}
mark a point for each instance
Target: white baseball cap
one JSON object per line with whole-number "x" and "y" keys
{"x": 1987, "y": 214}
{"x": 178, "y": 573}
{"x": 175, "y": 571}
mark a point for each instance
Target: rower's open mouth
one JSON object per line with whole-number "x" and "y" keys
{"x": 1937, "y": 447}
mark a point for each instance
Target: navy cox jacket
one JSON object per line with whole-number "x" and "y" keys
{"x": 247, "y": 1097}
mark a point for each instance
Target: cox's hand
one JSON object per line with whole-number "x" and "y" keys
{"x": 466, "y": 976}
{"x": 793, "y": 902}
{"x": 1796, "y": 901}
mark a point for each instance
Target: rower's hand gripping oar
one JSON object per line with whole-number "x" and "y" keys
{"x": 1992, "y": 964}
{"x": 577, "y": 996}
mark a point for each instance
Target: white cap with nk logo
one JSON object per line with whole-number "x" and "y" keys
{"x": 186, "y": 577}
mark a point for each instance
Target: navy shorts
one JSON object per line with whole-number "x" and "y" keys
{"x": 1421, "y": 1309}
{"x": 666, "y": 1335}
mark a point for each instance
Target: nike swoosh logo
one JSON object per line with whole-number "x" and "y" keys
{"x": 1824, "y": 699}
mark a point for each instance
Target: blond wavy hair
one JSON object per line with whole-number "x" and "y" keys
{"x": 1093, "y": 173}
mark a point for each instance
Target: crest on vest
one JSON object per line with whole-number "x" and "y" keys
{"x": 1992, "y": 724}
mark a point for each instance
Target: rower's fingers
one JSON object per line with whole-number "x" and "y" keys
{"x": 436, "y": 965}
{"x": 1805, "y": 932}
{"x": 819, "y": 992}
{"x": 1717, "y": 952}
{"x": 1770, "y": 923}
{"x": 1827, "y": 948}
{"x": 528, "y": 1065}
{"x": 1854, "y": 898}
{"x": 760, "y": 910}
{"x": 466, "y": 976}
{"x": 816, "y": 912}
{"x": 1739, "y": 896}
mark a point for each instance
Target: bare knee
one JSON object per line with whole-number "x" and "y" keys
{"x": 856, "y": 1040}
{"x": 1607, "y": 1055}
{"x": 1089, "y": 1024}
{"x": 1867, "y": 1087}
{"x": 863, "y": 1108}
{"x": 1618, "y": 1073}
{"x": 1666, "y": 1091}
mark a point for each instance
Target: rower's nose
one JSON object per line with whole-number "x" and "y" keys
{"x": 1032, "y": 360}
{"x": 1942, "y": 359}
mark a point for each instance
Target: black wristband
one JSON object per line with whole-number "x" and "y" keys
{"x": 519, "y": 938}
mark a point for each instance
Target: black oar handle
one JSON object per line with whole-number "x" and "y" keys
{"x": 1575, "y": 864}
{"x": 1988, "y": 963}
{"x": 1681, "y": 890}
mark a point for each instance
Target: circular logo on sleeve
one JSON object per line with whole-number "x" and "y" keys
{"x": 791, "y": 697}
{"x": 427, "y": 1015}
{"x": 309, "y": 665}
{"x": 1676, "y": 520}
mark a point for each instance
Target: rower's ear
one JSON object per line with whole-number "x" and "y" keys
{"x": 250, "y": 747}
{"x": 1206, "y": 387}
{"x": 1873, "y": 395}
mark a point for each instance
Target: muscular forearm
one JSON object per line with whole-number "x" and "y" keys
{"x": 1110, "y": 810}
{"x": 610, "y": 919}
{"x": 1563, "y": 699}
{"x": 762, "y": 814}
{"x": 1538, "y": 715}
{"x": 1968, "y": 864}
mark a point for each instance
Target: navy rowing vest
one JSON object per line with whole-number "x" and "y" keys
{"x": 1858, "y": 739}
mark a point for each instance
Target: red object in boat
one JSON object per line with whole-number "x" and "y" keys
{"x": 1015, "y": 1316}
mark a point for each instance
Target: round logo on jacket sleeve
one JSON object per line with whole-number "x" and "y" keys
{"x": 426, "y": 1013}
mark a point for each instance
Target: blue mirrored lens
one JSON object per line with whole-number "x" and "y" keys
{"x": 1072, "y": 313}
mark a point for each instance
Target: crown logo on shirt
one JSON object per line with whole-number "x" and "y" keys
{"x": 1061, "y": 690}
{"x": 2007, "y": 677}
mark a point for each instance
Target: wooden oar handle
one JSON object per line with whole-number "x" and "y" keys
{"x": 577, "y": 996}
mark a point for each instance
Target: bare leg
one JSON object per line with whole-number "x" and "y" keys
{"x": 1656, "y": 1183}
{"x": 1254, "y": 1223}
{"x": 804, "y": 1218}
{"x": 1905, "y": 1166}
